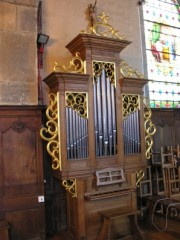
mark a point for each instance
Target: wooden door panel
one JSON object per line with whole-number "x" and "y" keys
{"x": 21, "y": 203}
{"x": 26, "y": 224}
{"x": 19, "y": 163}
{"x": 21, "y": 172}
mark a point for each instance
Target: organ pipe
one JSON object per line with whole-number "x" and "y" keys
{"x": 104, "y": 108}
{"x": 131, "y": 126}
{"x": 76, "y": 125}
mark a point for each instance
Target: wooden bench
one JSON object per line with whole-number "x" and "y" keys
{"x": 116, "y": 176}
{"x": 111, "y": 214}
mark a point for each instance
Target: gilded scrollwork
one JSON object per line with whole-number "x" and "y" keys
{"x": 78, "y": 102}
{"x": 100, "y": 27}
{"x": 150, "y": 130}
{"x": 128, "y": 72}
{"x": 53, "y": 150}
{"x": 139, "y": 177}
{"x": 109, "y": 70}
{"x": 130, "y": 104}
{"x": 76, "y": 65}
{"x": 70, "y": 186}
{"x": 50, "y": 133}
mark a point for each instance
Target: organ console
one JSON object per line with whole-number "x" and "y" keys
{"x": 96, "y": 137}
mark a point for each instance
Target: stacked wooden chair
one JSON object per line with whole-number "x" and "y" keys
{"x": 167, "y": 202}
{"x": 171, "y": 172}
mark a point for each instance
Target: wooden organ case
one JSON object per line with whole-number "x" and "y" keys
{"x": 96, "y": 137}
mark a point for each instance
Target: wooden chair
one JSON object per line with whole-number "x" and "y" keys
{"x": 156, "y": 158}
{"x": 175, "y": 151}
{"x": 170, "y": 174}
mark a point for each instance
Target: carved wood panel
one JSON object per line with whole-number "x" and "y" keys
{"x": 21, "y": 172}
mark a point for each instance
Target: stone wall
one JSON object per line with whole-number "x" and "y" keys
{"x": 62, "y": 21}
{"x": 18, "y": 64}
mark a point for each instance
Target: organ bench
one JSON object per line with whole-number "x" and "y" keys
{"x": 112, "y": 214}
{"x": 110, "y": 176}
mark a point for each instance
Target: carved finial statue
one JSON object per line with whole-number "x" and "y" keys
{"x": 92, "y": 13}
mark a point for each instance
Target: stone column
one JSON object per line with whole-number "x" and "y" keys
{"x": 18, "y": 52}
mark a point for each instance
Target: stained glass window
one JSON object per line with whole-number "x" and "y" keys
{"x": 162, "y": 42}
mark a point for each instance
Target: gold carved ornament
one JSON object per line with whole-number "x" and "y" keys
{"x": 101, "y": 27}
{"x": 127, "y": 71}
{"x": 76, "y": 65}
{"x": 150, "y": 130}
{"x": 70, "y": 186}
{"x": 139, "y": 177}
{"x": 109, "y": 70}
{"x": 51, "y": 133}
{"x": 130, "y": 104}
{"x": 78, "y": 102}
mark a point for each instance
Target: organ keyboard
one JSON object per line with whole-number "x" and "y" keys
{"x": 109, "y": 194}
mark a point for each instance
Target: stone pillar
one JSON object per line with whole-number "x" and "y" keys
{"x": 18, "y": 52}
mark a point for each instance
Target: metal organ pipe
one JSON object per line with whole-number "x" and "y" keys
{"x": 104, "y": 111}
{"x": 85, "y": 139}
{"x": 99, "y": 107}
{"x": 109, "y": 108}
{"x": 113, "y": 117}
{"x": 131, "y": 133}
{"x": 71, "y": 132}
{"x": 80, "y": 137}
{"x": 96, "y": 120}
{"x": 67, "y": 132}
{"x": 77, "y": 135}
{"x": 74, "y": 134}
{"x": 77, "y": 132}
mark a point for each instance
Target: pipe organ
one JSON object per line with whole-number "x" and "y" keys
{"x": 101, "y": 139}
